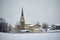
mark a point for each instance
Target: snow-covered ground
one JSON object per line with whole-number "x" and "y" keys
{"x": 53, "y": 31}
{"x": 30, "y": 36}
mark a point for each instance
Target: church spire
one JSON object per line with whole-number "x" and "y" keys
{"x": 22, "y": 21}
{"x": 22, "y": 12}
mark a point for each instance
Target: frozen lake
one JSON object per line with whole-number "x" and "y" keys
{"x": 30, "y": 36}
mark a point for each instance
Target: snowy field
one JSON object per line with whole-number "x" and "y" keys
{"x": 30, "y": 36}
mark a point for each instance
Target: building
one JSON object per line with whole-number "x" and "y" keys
{"x": 55, "y": 27}
{"x": 33, "y": 28}
{"x": 21, "y": 25}
{"x": 3, "y": 25}
{"x": 22, "y": 21}
{"x": 27, "y": 27}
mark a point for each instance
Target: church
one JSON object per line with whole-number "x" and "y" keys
{"x": 27, "y": 27}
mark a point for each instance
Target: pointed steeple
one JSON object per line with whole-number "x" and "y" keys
{"x": 22, "y": 21}
{"x": 22, "y": 12}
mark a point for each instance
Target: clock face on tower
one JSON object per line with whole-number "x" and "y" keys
{"x": 22, "y": 19}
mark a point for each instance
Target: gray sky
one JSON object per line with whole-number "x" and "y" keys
{"x": 43, "y": 11}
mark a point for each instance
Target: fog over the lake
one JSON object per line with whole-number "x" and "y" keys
{"x": 43, "y": 11}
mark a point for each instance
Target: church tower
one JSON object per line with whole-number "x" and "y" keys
{"x": 22, "y": 21}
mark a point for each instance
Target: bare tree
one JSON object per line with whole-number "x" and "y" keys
{"x": 45, "y": 26}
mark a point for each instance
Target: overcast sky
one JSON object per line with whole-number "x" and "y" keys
{"x": 43, "y": 11}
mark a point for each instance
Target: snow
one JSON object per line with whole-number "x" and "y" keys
{"x": 29, "y": 36}
{"x": 57, "y": 24}
{"x": 54, "y": 31}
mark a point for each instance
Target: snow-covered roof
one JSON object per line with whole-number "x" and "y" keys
{"x": 57, "y": 24}
{"x": 31, "y": 25}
